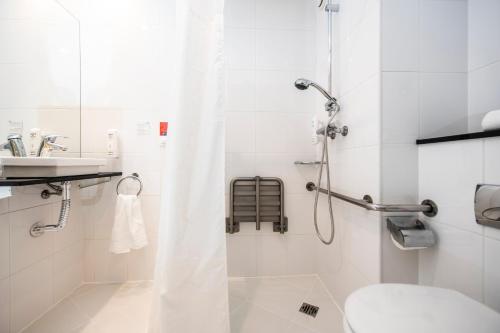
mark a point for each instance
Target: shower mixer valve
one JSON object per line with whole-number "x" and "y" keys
{"x": 332, "y": 131}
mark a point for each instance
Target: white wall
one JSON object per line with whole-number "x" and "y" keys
{"x": 424, "y": 59}
{"x": 484, "y": 59}
{"x": 400, "y": 126}
{"x": 269, "y": 44}
{"x": 447, "y": 52}
{"x": 36, "y": 273}
{"x": 466, "y": 256}
{"x": 124, "y": 86}
{"x": 442, "y": 31}
{"x": 353, "y": 260}
{"x": 424, "y": 94}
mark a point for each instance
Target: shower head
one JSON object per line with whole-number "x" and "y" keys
{"x": 303, "y": 84}
{"x": 331, "y": 105}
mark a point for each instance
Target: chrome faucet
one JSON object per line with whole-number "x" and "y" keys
{"x": 15, "y": 145}
{"x": 49, "y": 144}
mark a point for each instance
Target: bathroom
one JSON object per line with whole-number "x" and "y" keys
{"x": 249, "y": 166}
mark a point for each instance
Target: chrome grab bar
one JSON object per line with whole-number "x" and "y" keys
{"x": 428, "y": 207}
{"x": 307, "y": 162}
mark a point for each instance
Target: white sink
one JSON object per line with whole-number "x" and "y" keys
{"x": 48, "y": 166}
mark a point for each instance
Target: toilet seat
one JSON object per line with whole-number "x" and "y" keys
{"x": 396, "y": 308}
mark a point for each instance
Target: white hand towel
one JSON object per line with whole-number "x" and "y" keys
{"x": 491, "y": 121}
{"x": 128, "y": 230}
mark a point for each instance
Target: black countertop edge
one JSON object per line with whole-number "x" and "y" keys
{"x": 19, "y": 181}
{"x": 458, "y": 137}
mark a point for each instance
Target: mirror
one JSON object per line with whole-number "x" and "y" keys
{"x": 39, "y": 73}
{"x": 459, "y": 65}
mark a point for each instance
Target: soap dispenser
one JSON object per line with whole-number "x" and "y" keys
{"x": 35, "y": 139}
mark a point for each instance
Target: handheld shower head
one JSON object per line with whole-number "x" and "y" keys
{"x": 303, "y": 84}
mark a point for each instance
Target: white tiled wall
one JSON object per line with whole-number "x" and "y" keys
{"x": 269, "y": 44}
{"x": 465, "y": 256}
{"x": 124, "y": 87}
{"x": 36, "y": 273}
{"x": 400, "y": 125}
{"x": 484, "y": 59}
{"x": 353, "y": 260}
{"x": 442, "y": 65}
{"x": 453, "y": 47}
{"x": 425, "y": 51}
{"x": 424, "y": 94}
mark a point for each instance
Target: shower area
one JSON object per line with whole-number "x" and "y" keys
{"x": 273, "y": 94}
{"x": 271, "y": 123}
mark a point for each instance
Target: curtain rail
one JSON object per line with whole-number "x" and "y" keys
{"x": 428, "y": 207}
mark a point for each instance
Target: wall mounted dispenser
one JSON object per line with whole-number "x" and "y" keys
{"x": 487, "y": 205}
{"x": 408, "y": 233}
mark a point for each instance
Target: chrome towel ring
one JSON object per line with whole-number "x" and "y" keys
{"x": 134, "y": 176}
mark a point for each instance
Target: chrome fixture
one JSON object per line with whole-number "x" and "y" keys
{"x": 487, "y": 205}
{"x": 15, "y": 145}
{"x": 64, "y": 190}
{"x": 46, "y": 194}
{"x": 48, "y": 144}
{"x": 307, "y": 162}
{"x": 427, "y": 207}
{"x": 409, "y": 233}
{"x": 325, "y": 162}
{"x": 331, "y": 105}
{"x": 332, "y": 7}
{"x": 95, "y": 183}
{"x": 332, "y": 130}
{"x": 134, "y": 176}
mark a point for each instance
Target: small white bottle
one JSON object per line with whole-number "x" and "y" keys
{"x": 315, "y": 125}
{"x": 35, "y": 138}
{"x": 113, "y": 146}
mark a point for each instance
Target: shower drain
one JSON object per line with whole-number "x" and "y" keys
{"x": 308, "y": 309}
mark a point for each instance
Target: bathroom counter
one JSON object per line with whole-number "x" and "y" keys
{"x": 45, "y": 180}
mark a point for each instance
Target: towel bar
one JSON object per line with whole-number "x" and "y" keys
{"x": 134, "y": 176}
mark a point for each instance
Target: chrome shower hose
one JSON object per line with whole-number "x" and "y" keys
{"x": 325, "y": 161}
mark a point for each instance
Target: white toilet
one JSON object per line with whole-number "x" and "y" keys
{"x": 401, "y": 308}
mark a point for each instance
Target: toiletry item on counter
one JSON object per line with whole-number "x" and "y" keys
{"x": 35, "y": 137}
{"x": 113, "y": 146}
{"x": 491, "y": 121}
{"x": 129, "y": 232}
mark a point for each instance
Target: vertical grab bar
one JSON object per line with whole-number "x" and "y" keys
{"x": 231, "y": 208}
{"x": 257, "y": 202}
{"x": 282, "y": 206}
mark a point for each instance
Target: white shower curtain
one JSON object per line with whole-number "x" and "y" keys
{"x": 190, "y": 294}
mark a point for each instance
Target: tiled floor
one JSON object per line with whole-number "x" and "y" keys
{"x": 103, "y": 308}
{"x": 270, "y": 305}
{"x": 258, "y": 305}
